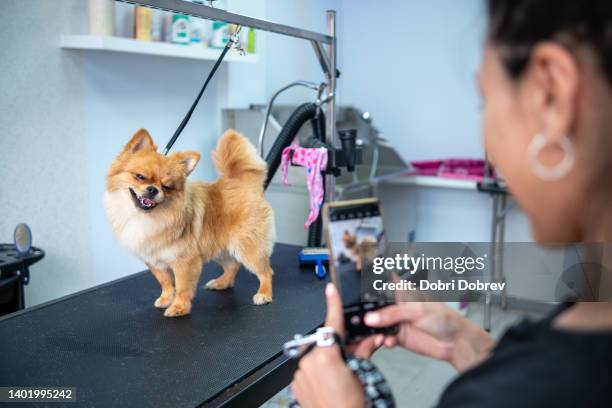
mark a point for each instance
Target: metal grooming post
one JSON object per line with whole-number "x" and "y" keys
{"x": 330, "y": 126}
{"x": 327, "y": 58}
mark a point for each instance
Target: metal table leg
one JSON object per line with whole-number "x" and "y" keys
{"x": 501, "y": 277}
{"x": 492, "y": 263}
{"x": 498, "y": 226}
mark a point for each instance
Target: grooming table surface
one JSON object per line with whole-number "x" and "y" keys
{"x": 118, "y": 350}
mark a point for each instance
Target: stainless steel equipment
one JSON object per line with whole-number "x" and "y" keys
{"x": 380, "y": 159}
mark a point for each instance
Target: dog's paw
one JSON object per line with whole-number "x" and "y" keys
{"x": 262, "y": 298}
{"x": 163, "y": 301}
{"x": 177, "y": 309}
{"x": 217, "y": 284}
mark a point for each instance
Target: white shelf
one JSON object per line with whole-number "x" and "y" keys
{"x": 433, "y": 181}
{"x": 129, "y": 45}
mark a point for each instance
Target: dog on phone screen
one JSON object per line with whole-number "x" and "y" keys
{"x": 358, "y": 251}
{"x": 175, "y": 226}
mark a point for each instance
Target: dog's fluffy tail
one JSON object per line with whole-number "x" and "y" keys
{"x": 236, "y": 158}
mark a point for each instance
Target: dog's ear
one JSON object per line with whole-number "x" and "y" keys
{"x": 187, "y": 159}
{"x": 140, "y": 141}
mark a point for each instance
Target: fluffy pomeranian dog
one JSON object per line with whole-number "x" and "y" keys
{"x": 176, "y": 226}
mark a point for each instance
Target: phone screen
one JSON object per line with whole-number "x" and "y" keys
{"x": 356, "y": 235}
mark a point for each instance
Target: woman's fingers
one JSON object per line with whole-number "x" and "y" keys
{"x": 394, "y": 314}
{"x": 390, "y": 341}
{"x": 335, "y": 313}
{"x": 366, "y": 347}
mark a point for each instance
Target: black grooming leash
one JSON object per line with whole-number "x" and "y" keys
{"x": 232, "y": 40}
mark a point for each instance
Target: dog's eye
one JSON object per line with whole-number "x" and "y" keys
{"x": 166, "y": 188}
{"x": 139, "y": 176}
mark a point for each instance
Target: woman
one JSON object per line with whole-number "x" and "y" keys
{"x": 546, "y": 83}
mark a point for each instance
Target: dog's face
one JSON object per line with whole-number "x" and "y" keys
{"x": 349, "y": 239}
{"x": 147, "y": 179}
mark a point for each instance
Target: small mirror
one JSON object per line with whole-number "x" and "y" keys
{"x": 23, "y": 239}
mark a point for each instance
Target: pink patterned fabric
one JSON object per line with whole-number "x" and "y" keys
{"x": 315, "y": 161}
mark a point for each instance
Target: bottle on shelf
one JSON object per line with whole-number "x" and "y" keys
{"x": 157, "y": 25}
{"x": 124, "y": 20}
{"x": 100, "y": 17}
{"x": 181, "y": 32}
{"x": 199, "y": 31}
{"x": 220, "y": 34}
{"x": 143, "y": 23}
{"x": 250, "y": 48}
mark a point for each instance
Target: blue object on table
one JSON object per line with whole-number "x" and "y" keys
{"x": 317, "y": 257}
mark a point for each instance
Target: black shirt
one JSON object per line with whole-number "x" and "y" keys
{"x": 536, "y": 365}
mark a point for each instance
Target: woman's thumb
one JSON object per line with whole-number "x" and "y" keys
{"x": 335, "y": 313}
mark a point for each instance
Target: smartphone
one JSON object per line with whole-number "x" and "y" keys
{"x": 355, "y": 235}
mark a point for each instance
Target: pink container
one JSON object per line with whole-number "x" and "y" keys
{"x": 467, "y": 169}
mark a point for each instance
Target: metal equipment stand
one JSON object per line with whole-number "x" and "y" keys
{"x": 324, "y": 46}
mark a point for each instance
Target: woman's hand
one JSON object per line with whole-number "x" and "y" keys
{"x": 365, "y": 347}
{"x": 435, "y": 330}
{"x": 323, "y": 379}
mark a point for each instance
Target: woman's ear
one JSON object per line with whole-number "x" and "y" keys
{"x": 140, "y": 141}
{"x": 552, "y": 82}
{"x": 187, "y": 159}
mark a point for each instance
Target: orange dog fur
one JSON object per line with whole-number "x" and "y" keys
{"x": 176, "y": 226}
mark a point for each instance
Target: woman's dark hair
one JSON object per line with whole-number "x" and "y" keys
{"x": 516, "y": 26}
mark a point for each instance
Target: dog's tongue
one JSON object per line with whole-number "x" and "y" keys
{"x": 147, "y": 201}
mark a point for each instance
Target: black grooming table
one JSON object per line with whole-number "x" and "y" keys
{"x": 119, "y": 351}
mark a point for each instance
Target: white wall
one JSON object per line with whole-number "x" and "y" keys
{"x": 44, "y": 178}
{"x": 411, "y": 63}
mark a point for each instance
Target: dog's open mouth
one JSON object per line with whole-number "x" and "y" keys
{"x": 144, "y": 203}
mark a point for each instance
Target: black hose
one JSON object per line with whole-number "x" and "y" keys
{"x": 318, "y": 126}
{"x": 315, "y": 231}
{"x": 301, "y": 115}
{"x": 304, "y": 113}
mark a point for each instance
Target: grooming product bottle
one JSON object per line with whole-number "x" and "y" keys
{"x": 124, "y": 20}
{"x": 167, "y": 18}
{"x": 181, "y": 32}
{"x": 157, "y": 25}
{"x": 101, "y": 17}
{"x": 143, "y": 23}
{"x": 198, "y": 36}
{"x": 220, "y": 34}
{"x": 251, "y": 41}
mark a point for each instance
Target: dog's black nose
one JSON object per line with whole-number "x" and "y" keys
{"x": 152, "y": 191}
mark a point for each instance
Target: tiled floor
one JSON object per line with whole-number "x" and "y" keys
{"x": 418, "y": 381}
